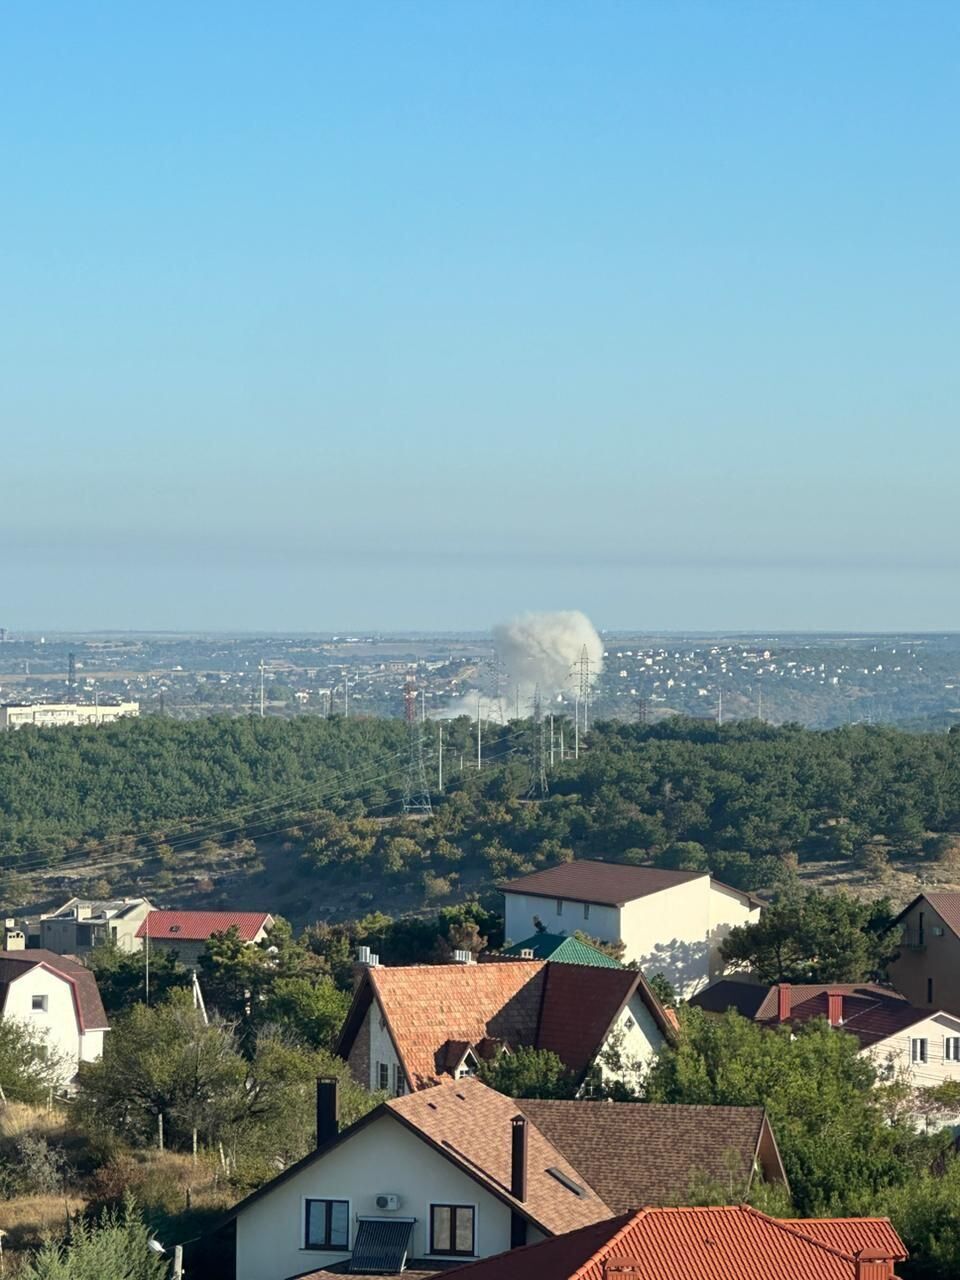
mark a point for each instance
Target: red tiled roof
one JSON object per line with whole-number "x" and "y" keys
{"x": 604, "y": 883}
{"x": 848, "y": 1235}
{"x": 432, "y": 1011}
{"x": 870, "y": 1012}
{"x": 683, "y": 1147}
{"x": 86, "y": 995}
{"x": 724, "y": 1243}
{"x": 197, "y": 926}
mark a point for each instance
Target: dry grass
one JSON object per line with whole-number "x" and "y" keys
{"x": 16, "y": 1119}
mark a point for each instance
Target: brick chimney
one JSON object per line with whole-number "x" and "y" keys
{"x": 328, "y": 1109}
{"x": 873, "y": 1266}
{"x": 518, "y": 1178}
{"x": 783, "y": 1001}
{"x": 835, "y": 1008}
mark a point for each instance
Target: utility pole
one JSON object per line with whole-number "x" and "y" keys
{"x": 177, "y": 1262}
{"x": 146, "y": 956}
{"x": 346, "y": 695}
{"x": 760, "y": 705}
{"x": 440, "y": 757}
{"x": 416, "y": 793}
{"x": 585, "y": 686}
{"x": 538, "y": 774}
{"x": 551, "y": 741}
{"x": 479, "y": 738}
{"x": 576, "y": 728}
{"x": 720, "y": 708}
{"x": 261, "y": 688}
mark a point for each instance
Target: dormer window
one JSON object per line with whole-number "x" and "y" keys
{"x": 174, "y": 928}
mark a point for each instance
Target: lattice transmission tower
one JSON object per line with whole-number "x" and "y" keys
{"x": 416, "y": 793}
{"x": 538, "y": 789}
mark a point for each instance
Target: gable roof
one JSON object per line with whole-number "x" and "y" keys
{"x": 682, "y": 1146}
{"x": 870, "y": 1012}
{"x": 91, "y": 1015}
{"x": 566, "y": 1008}
{"x": 198, "y": 926}
{"x": 609, "y": 884}
{"x": 946, "y": 905}
{"x": 735, "y": 1243}
{"x": 563, "y": 950}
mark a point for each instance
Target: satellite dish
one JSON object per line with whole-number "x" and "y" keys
{"x": 155, "y": 1246}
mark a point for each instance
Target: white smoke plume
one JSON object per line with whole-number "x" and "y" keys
{"x": 544, "y": 649}
{"x": 535, "y": 649}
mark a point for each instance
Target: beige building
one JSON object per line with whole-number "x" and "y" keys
{"x": 927, "y": 970}
{"x": 83, "y": 923}
{"x": 670, "y": 922}
{"x": 51, "y": 715}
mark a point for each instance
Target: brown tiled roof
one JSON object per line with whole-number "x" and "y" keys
{"x": 870, "y": 1012}
{"x": 639, "y": 1153}
{"x": 86, "y": 995}
{"x": 604, "y": 883}
{"x": 947, "y": 907}
{"x": 472, "y": 1123}
{"x": 716, "y": 1243}
{"x": 433, "y": 1010}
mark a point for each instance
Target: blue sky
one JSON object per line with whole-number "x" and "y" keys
{"x": 420, "y": 314}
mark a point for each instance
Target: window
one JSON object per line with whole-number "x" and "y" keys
{"x": 920, "y": 928}
{"x": 84, "y": 937}
{"x": 929, "y": 991}
{"x": 452, "y": 1229}
{"x": 559, "y": 906}
{"x": 383, "y": 1076}
{"x": 586, "y": 911}
{"x": 38, "y": 1004}
{"x": 327, "y": 1224}
{"x": 399, "y": 1084}
{"x": 918, "y": 1050}
{"x": 951, "y": 1048}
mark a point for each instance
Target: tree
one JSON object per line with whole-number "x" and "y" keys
{"x": 112, "y": 1248}
{"x": 312, "y": 1010}
{"x": 528, "y": 1073}
{"x": 838, "y": 1145}
{"x": 29, "y": 1068}
{"x": 814, "y": 937}
{"x": 121, "y": 975}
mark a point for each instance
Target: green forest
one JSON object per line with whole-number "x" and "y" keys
{"x": 744, "y": 800}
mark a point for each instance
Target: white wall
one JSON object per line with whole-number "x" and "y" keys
{"x": 521, "y": 908}
{"x": 633, "y": 1042}
{"x": 384, "y": 1157}
{"x": 58, "y": 1023}
{"x": 381, "y": 1047}
{"x": 727, "y": 910}
{"x": 893, "y": 1054}
{"x": 668, "y": 933}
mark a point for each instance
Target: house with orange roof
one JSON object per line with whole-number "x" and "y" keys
{"x": 412, "y": 1025}
{"x": 710, "y": 1243}
{"x": 460, "y": 1172}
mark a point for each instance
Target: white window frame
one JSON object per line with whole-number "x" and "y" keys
{"x": 306, "y": 1248}
{"x": 954, "y": 1043}
{"x": 428, "y": 1224}
{"x": 383, "y": 1070}
{"x": 919, "y": 1050}
{"x": 399, "y": 1081}
{"x": 43, "y": 1006}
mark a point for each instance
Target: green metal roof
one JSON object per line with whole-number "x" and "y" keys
{"x": 563, "y": 950}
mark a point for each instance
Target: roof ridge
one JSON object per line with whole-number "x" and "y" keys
{"x": 634, "y": 1218}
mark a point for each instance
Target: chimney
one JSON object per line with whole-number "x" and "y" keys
{"x": 518, "y": 1178}
{"x": 328, "y": 1109}
{"x": 783, "y": 1002}
{"x": 835, "y": 1008}
{"x": 873, "y": 1266}
{"x": 13, "y": 939}
{"x": 463, "y": 957}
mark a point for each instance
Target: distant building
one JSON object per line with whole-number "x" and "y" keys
{"x": 927, "y": 968}
{"x": 84, "y": 923}
{"x": 56, "y": 997}
{"x": 670, "y": 922}
{"x": 52, "y": 715}
{"x": 187, "y": 932}
{"x": 561, "y": 950}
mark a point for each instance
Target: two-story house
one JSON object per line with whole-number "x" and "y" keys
{"x": 413, "y": 1025}
{"x": 458, "y": 1172}
{"x": 186, "y": 933}
{"x": 919, "y": 1046}
{"x": 927, "y": 969}
{"x": 58, "y": 998}
{"x": 670, "y": 922}
{"x": 84, "y": 923}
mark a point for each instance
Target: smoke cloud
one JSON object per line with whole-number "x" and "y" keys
{"x": 544, "y": 649}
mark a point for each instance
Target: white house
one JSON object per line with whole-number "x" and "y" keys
{"x": 670, "y": 922}
{"x": 458, "y": 1172}
{"x": 58, "y": 998}
{"x": 413, "y": 1025}
{"x": 919, "y": 1046}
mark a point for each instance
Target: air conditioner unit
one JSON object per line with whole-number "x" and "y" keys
{"x": 388, "y": 1202}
